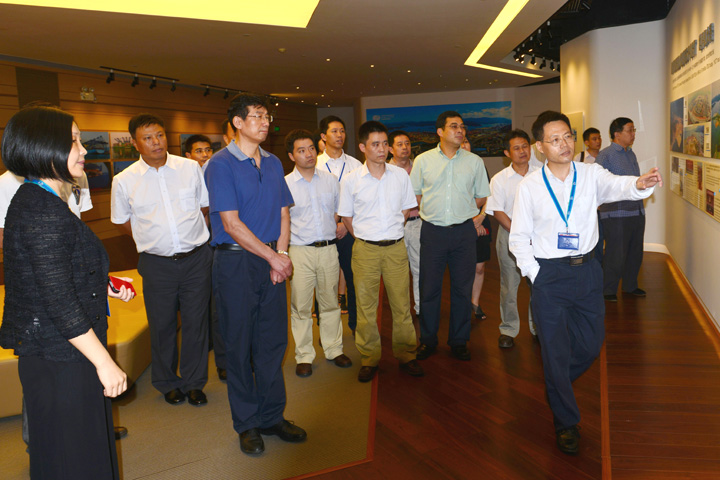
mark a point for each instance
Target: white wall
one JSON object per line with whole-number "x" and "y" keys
{"x": 527, "y": 102}
{"x": 622, "y": 72}
{"x": 692, "y": 237}
{"x": 348, "y": 116}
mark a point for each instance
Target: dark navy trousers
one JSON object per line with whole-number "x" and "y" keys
{"x": 569, "y": 313}
{"x": 344, "y": 248}
{"x": 454, "y": 248}
{"x": 252, "y": 314}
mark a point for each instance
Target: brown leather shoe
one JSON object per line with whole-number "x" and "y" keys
{"x": 342, "y": 361}
{"x": 303, "y": 369}
{"x": 366, "y": 374}
{"x": 412, "y": 368}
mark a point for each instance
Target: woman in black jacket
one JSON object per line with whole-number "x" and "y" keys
{"x": 56, "y": 288}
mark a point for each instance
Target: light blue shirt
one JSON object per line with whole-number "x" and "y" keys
{"x": 449, "y": 186}
{"x": 312, "y": 217}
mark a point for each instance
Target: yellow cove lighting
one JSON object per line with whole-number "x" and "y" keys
{"x": 281, "y": 13}
{"x": 507, "y": 15}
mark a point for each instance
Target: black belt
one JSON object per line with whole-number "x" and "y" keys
{"x": 322, "y": 243}
{"x": 573, "y": 261}
{"x": 469, "y": 220}
{"x": 234, "y": 247}
{"x": 410, "y": 219}
{"x": 179, "y": 256}
{"x": 382, "y": 243}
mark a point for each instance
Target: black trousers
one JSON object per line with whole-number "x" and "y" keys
{"x": 569, "y": 313}
{"x": 253, "y": 320}
{"x": 454, "y": 248}
{"x": 70, "y": 421}
{"x": 623, "y": 252}
{"x": 168, "y": 286}
{"x": 344, "y": 248}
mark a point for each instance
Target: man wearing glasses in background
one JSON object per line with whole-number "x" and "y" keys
{"x": 623, "y": 222}
{"x": 450, "y": 185}
{"x": 250, "y": 217}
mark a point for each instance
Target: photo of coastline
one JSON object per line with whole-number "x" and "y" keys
{"x": 486, "y": 124}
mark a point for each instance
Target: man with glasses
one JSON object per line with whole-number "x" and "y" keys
{"x": 623, "y": 222}
{"x": 451, "y": 185}
{"x": 553, "y": 235}
{"x": 250, "y": 218}
{"x": 198, "y": 148}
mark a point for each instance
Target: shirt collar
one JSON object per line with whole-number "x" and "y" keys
{"x": 296, "y": 176}
{"x": 237, "y": 153}
{"x": 170, "y": 162}
{"x": 619, "y": 148}
{"x": 457, "y": 154}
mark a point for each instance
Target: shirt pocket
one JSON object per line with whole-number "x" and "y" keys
{"x": 327, "y": 203}
{"x": 188, "y": 199}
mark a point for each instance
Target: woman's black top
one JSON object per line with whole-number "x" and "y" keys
{"x": 56, "y": 273}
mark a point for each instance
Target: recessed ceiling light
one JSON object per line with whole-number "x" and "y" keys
{"x": 322, "y": 95}
{"x": 281, "y": 13}
{"x": 507, "y": 14}
{"x": 327, "y": 59}
{"x": 419, "y": 83}
{"x": 409, "y": 71}
{"x": 372, "y": 66}
{"x": 297, "y": 88}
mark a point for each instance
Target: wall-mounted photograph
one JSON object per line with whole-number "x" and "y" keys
{"x": 486, "y": 124}
{"x": 97, "y": 145}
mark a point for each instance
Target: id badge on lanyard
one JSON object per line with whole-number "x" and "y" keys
{"x": 566, "y": 240}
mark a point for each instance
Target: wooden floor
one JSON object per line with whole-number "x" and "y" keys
{"x": 488, "y": 418}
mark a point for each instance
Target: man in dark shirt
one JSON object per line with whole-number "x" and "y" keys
{"x": 623, "y": 223}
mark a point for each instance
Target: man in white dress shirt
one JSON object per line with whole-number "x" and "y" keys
{"x": 336, "y": 161}
{"x": 553, "y": 234}
{"x": 375, "y": 200}
{"x": 500, "y": 204}
{"x": 161, "y": 201}
{"x": 313, "y": 229}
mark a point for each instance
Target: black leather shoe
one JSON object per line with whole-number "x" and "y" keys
{"x": 303, "y": 369}
{"x": 412, "y": 368}
{"x": 175, "y": 397}
{"x": 120, "y": 432}
{"x": 366, "y": 374}
{"x": 251, "y": 442}
{"x": 506, "y": 341}
{"x": 610, "y": 298}
{"x": 196, "y": 397}
{"x": 286, "y": 431}
{"x": 222, "y": 374}
{"x": 638, "y": 292}
{"x": 479, "y": 314}
{"x": 568, "y": 440}
{"x": 424, "y": 351}
{"x": 460, "y": 352}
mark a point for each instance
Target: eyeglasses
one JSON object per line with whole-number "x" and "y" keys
{"x": 556, "y": 141}
{"x": 203, "y": 150}
{"x": 632, "y": 130}
{"x": 269, "y": 118}
{"x": 455, "y": 126}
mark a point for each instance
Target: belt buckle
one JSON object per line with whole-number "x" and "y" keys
{"x": 575, "y": 261}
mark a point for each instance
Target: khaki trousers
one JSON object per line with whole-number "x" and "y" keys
{"x": 315, "y": 268}
{"x": 370, "y": 263}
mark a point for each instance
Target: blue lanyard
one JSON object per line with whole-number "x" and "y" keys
{"x": 564, "y": 217}
{"x": 42, "y": 185}
{"x": 341, "y": 171}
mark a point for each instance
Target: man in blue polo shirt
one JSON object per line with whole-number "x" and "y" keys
{"x": 249, "y": 214}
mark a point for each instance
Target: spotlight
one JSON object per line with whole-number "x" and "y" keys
{"x": 544, "y": 63}
{"x": 173, "y": 87}
{"x": 552, "y": 66}
{"x": 207, "y": 91}
{"x": 227, "y": 94}
{"x": 153, "y": 84}
{"x": 111, "y": 76}
{"x": 135, "y": 81}
{"x": 532, "y": 60}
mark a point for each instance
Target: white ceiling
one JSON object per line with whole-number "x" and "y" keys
{"x": 430, "y": 38}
